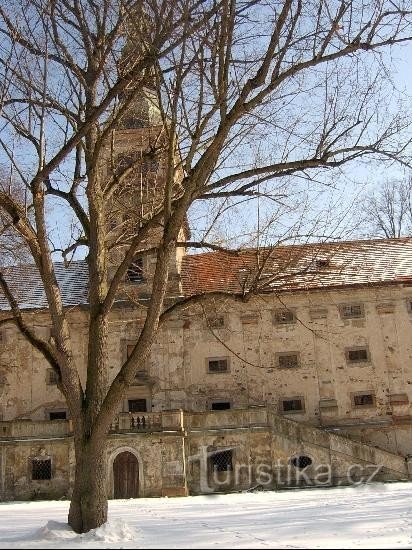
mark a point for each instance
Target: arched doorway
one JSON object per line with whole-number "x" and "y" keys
{"x": 125, "y": 476}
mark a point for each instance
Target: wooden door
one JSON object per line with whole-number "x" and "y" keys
{"x": 126, "y": 476}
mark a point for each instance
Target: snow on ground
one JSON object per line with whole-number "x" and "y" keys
{"x": 366, "y": 516}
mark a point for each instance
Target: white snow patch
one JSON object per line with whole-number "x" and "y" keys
{"x": 115, "y": 530}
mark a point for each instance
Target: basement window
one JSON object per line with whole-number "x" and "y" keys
{"x": 135, "y": 271}
{"x": 221, "y": 405}
{"x": 288, "y": 360}
{"x": 292, "y": 405}
{"x": 351, "y": 311}
{"x": 357, "y": 355}
{"x": 221, "y": 461}
{"x": 284, "y": 317}
{"x": 217, "y": 365}
{"x": 57, "y": 415}
{"x": 363, "y": 400}
{"x": 301, "y": 461}
{"x": 41, "y": 469}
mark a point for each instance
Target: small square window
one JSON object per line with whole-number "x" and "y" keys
{"x": 221, "y": 461}
{"x": 409, "y": 305}
{"x": 52, "y": 377}
{"x": 135, "y": 271}
{"x": 221, "y": 405}
{"x": 218, "y": 365}
{"x": 294, "y": 404}
{"x": 363, "y": 399}
{"x": 41, "y": 469}
{"x": 351, "y": 311}
{"x": 284, "y": 316}
{"x": 288, "y": 360}
{"x": 357, "y": 355}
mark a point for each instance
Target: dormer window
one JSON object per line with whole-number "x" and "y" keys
{"x": 135, "y": 271}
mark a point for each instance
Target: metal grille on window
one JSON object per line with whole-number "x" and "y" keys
{"x": 135, "y": 271}
{"x": 52, "y": 377}
{"x": 288, "y": 361}
{"x": 352, "y": 310}
{"x": 222, "y": 461}
{"x": 41, "y": 468}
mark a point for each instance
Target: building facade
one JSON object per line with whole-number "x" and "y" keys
{"x": 310, "y": 378}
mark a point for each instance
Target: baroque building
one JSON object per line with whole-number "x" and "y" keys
{"x": 307, "y": 382}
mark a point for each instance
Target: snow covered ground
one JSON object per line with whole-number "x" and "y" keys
{"x": 366, "y": 516}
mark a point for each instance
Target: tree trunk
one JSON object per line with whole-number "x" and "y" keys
{"x": 88, "y": 506}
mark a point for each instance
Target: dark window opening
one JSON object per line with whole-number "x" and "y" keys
{"x": 222, "y": 461}
{"x": 301, "y": 462}
{"x": 51, "y": 377}
{"x": 137, "y": 405}
{"x": 57, "y": 415}
{"x": 135, "y": 271}
{"x": 218, "y": 365}
{"x": 284, "y": 316}
{"x": 288, "y": 361}
{"x": 220, "y": 405}
{"x": 41, "y": 468}
{"x": 292, "y": 405}
{"x": 364, "y": 399}
{"x": 351, "y": 311}
{"x": 322, "y": 262}
{"x": 358, "y": 355}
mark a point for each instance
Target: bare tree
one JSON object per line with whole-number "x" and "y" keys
{"x": 239, "y": 95}
{"x": 388, "y": 209}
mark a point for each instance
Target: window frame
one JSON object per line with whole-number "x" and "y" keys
{"x": 52, "y": 378}
{"x": 358, "y": 361}
{"x": 216, "y": 401}
{"x": 287, "y": 354}
{"x": 33, "y": 460}
{"x": 218, "y": 358}
{"x": 352, "y": 304}
{"x": 356, "y": 394}
{"x": 292, "y": 398}
{"x": 278, "y": 312}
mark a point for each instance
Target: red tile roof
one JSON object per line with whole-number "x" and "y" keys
{"x": 299, "y": 267}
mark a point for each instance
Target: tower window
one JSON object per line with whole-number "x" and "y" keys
{"x": 135, "y": 271}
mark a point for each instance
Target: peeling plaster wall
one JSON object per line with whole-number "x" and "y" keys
{"x": 176, "y": 374}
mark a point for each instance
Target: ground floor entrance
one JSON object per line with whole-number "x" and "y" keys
{"x": 125, "y": 476}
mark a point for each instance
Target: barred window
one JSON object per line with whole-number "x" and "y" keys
{"x": 218, "y": 365}
{"x": 357, "y": 355}
{"x": 135, "y": 271}
{"x": 222, "y": 461}
{"x": 351, "y": 311}
{"x": 41, "y": 469}
{"x": 284, "y": 316}
{"x": 288, "y": 361}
